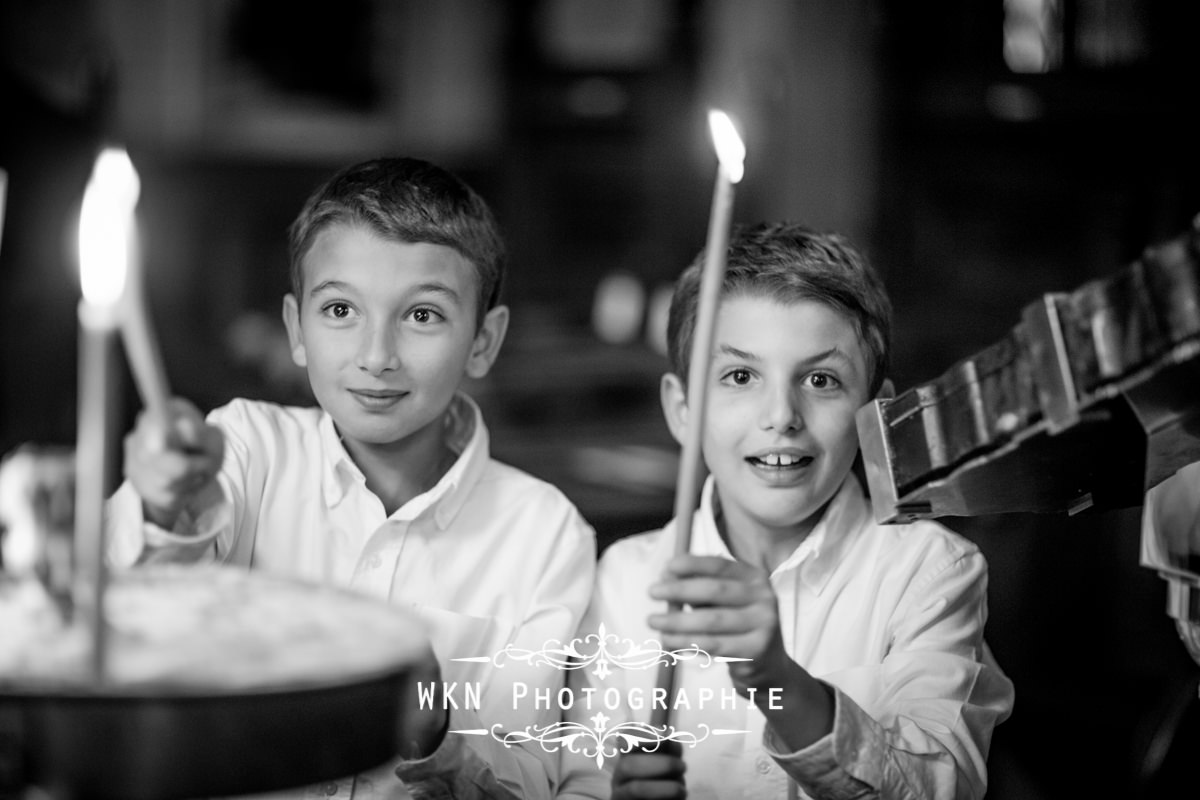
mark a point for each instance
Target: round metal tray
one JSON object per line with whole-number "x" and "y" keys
{"x": 179, "y": 736}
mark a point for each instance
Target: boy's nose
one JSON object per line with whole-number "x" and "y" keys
{"x": 378, "y": 352}
{"x": 781, "y": 411}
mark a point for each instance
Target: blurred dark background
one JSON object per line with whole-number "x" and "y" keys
{"x": 982, "y": 152}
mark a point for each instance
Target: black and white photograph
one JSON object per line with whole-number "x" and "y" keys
{"x": 589, "y": 399}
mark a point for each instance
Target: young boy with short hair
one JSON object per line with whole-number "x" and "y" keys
{"x": 859, "y": 665}
{"x": 386, "y": 487}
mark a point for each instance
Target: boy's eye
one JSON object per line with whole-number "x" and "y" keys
{"x": 424, "y": 315}
{"x": 336, "y": 310}
{"x": 738, "y": 377}
{"x": 822, "y": 380}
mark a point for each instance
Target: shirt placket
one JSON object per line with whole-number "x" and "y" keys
{"x": 767, "y": 779}
{"x": 376, "y": 568}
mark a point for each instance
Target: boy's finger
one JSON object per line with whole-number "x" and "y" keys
{"x": 703, "y": 592}
{"x": 706, "y": 621}
{"x": 657, "y": 774}
{"x": 184, "y": 423}
{"x": 688, "y": 565}
{"x": 637, "y": 765}
{"x": 665, "y": 747}
{"x": 746, "y": 645}
{"x": 150, "y": 435}
{"x": 646, "y": 789}
{"x": 212, "y": 443}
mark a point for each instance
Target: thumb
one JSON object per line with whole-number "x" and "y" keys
{"x": 186, "y": 424}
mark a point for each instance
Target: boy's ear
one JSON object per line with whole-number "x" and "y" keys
{"x": 291, "y": 321}
{"x": 487, "y": 342}
{"x": 673, "y": 396}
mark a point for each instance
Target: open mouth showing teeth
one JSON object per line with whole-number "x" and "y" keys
{"x": 782, "y": 460}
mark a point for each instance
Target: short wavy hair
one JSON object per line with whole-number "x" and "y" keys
{"x": 405, "y": 200}
{"x": 790, "y": 263}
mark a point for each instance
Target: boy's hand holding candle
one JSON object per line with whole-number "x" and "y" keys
{"x": 171, "y": 457}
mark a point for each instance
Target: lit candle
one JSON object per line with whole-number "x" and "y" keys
{"x": 105, "y": 237}
{"x": 731, "y": 154}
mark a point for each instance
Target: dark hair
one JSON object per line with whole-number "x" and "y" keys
{"x": 405, "y": 200}
{"x": 789, "y": 263}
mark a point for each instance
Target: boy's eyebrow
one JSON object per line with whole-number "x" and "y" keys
{"x": 832, "y": 353}
{"x": 326, "y": 286}
{"x": 741, "y": 355}
{"x": 423, "y": 288}
{"x": 438, "y": 288}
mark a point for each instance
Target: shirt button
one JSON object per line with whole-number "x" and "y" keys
{"x": 374, "y": 561}
{"x": 331, "y": 789}
{"x": 763, "y": 764}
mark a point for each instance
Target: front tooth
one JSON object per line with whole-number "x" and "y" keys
{"x": 772, "y": 459}
{"x": 788, "y": 461}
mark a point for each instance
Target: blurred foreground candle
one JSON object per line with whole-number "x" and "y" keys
{"x": 731, "y": 154}
{"x": 105, "y": 237}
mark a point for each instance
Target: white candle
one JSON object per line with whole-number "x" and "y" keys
{"x": 731, "y": 154}
{"x": 105, "y": 234}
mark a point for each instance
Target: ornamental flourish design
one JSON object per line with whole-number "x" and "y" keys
{"x": 599, "y": 741}
{"x": 601, "y": 650}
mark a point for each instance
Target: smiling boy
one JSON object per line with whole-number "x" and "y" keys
{"x": 858, "y": 664}
{"x": 387, "y": 486}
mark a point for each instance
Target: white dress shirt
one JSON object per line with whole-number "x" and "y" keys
{"x": 489, "y": 557}
{"x": 891, "y": 616}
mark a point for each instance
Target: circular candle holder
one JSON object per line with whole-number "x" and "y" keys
{"x": 218, "y": 682}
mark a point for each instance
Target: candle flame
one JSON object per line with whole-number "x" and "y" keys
{"x": 106, "y": 226}
{"x": 731, "y": 152}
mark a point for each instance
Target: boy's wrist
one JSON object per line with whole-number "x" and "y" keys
{"x": 798, "y": 707}
{"x": 163, "y": 518}
{"x": 428, "y": 734}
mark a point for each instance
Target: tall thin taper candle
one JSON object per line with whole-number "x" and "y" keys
{"x": 731, "y": 154}
{"x": 105, "y": 235}
{"x": 93, "y": 455}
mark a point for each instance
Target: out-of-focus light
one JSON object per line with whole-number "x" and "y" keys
{"x": 1013, "y": 103}
{"x": 618, "y": 308}
{"x": 1032, "y": 35}
{"x": 1024, "y": 50}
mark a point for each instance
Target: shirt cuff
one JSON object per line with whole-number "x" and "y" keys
{"x": 451, "y": 770}
{"x": 824, "y": 767}
{"x": 194, "y": 532}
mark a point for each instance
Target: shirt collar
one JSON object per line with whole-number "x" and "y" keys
{"x": 815, "y": 557}
{"x": 464, "y": 433}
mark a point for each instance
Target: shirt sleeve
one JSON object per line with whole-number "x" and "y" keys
{"x": 457, "y": 770}
{"x": 483, "y": 765}
{"x": 940, "y": 696}
{"x": 134, "y": 540}
{"x": 580, "y": 776}
{"x": 618, "y": 602}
